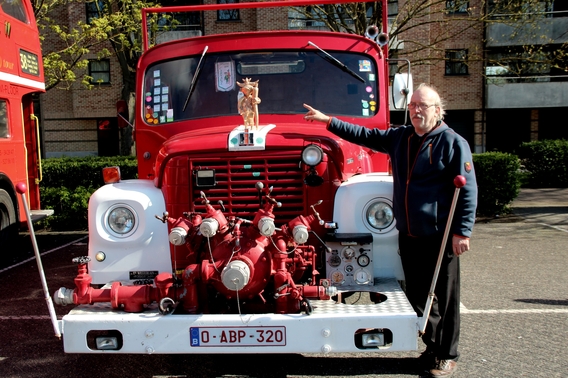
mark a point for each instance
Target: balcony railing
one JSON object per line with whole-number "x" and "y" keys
{"x": 538, "y": 32}
{"x": 537, "y": 94}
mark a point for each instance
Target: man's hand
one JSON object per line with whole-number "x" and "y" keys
{"x": 315, "y": 115}
{"x": 460, "y": 245}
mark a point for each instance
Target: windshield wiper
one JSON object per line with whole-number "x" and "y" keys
{"x": 337, "y": 63}
{"x": 194, "y": 79}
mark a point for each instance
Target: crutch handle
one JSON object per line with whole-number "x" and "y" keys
{"x": 459, "y": 181}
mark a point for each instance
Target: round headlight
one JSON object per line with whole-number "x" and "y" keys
{"x": 312, "y": 155}
{"x": 380, "y": 215}
{"x": 121, "y": 220}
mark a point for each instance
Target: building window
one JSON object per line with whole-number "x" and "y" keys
{"x": 457, "y": 6}
{"x": 99, "y": 71}
{"x": 94, "y": 10}
{"x": 4, "y": 132}
{"x": 228, "y": 14}
{"x": 456, "y": 62}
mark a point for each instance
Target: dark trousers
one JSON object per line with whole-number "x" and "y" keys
{"x": 419, "y": 256}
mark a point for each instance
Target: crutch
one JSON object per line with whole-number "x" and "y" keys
{"x": 459, "y": 182}
{"x": 21, "y": 188}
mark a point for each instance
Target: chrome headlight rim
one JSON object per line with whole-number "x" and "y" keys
{"x": 312, "y": 155}
{"x": 112, "y": 227}
{"x": 369, "y": 215}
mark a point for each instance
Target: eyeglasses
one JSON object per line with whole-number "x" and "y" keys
{"x": 422, "y": 106}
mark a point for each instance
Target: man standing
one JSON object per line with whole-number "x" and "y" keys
{"x": 426, "y": 157}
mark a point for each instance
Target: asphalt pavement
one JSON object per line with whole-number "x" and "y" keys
{"x": 514, "y": 312}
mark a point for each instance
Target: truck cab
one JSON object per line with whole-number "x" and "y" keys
{"x": 248, "y": 225}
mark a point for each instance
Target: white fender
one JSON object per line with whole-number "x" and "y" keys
{"x": 136, "y": 255}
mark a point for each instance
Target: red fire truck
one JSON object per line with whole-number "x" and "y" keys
{"x": 248, "y": 227}
{"x": 21, "y": 76}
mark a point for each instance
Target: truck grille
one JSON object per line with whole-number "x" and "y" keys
{"x": 236, "y": 180}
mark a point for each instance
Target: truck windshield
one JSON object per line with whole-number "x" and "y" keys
{"x": 286, "y": 80}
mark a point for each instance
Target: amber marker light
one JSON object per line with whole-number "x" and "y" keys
{"x": 111, "y": 175}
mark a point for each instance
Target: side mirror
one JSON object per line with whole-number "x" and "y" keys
{"x": 400, "y": 91}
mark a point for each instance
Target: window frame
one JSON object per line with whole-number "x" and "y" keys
{"x": 230, "y": 15}
{"x": 91, "y": 11}
{"x": 456, "y": 65}
{"x": 457, "y": 6}
{"x": 94, "y": 80}
{"x": 4, "y": 120}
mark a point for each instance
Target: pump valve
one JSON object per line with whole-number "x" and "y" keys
{"x": 163, "y": 218}
{"x": 316, "y": 214}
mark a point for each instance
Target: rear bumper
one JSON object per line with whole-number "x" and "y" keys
{"x": 330, "y": 328}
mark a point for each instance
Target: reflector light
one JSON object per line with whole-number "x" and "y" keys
{"x": 107, "y": 343}
{"x": 100, "y": 256}
{"x": 111, "y": 175}
{"x": 373, "y": 340}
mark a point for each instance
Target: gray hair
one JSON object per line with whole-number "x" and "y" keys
{"x": 441, "y": 103}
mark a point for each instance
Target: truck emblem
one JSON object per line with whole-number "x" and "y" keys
{"x": 242, "y": 138}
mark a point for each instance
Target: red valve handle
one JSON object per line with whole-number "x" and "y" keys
{"x": 459, "y": 181}
{"x": 21, "y": 188}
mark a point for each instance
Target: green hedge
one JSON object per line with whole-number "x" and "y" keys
{"x": 68, "y": 184}
{"x": 86, "y": 171}
{"x": 498, "y": 182}
{"x": 545, "y": 163}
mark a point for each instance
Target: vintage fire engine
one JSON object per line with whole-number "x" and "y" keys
{"x": 248, "y": 226}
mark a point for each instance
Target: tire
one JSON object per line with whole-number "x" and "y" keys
{"x": 8, "y": 220}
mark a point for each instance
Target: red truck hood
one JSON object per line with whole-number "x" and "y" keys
{"x": 230, "y": 139}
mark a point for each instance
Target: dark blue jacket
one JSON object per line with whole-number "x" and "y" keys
{"x": 424, "y": 186}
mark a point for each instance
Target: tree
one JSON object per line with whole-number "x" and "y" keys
{"x": 444, "y": 21}
{"x": 113, "y": 27}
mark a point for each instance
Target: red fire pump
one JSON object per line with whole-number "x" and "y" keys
{"x": 235, "y": 265}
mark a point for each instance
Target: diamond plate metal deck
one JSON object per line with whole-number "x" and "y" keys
{"x": 395, "y": 303}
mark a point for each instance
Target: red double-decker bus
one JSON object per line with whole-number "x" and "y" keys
{"x": 21, "y": 76}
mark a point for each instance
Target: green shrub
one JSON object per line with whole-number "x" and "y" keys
{"x": 85, "y": 171}
{"x": 498, "y": 182}
{"x": 69, "y": 205}
{"x": 546, "y": 163}
{"x": 68, "y": 184}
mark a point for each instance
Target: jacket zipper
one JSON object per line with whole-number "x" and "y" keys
{"x": 408, "y": 173}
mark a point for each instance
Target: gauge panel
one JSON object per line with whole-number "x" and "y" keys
{"x": 350, "y": 264}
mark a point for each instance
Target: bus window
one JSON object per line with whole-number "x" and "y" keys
{"x": 14, "y": 8}
{"x": 3, "y": 120}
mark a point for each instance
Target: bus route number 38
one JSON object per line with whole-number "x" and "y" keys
{"x": 237, "y": 336}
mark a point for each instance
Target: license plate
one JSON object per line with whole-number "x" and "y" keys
{"x": 237, "y": 336}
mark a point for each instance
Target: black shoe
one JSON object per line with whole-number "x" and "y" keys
{"x": 427, "y": 359}
{"x": 444, "y": 368}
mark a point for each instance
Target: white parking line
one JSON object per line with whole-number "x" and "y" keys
{"x": 555, "y": 227}
{"x": 43, "y": 254}
{"x": 29, "y": 317}
{"x": 465, "y": 310}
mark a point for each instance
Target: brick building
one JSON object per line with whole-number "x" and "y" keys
{"x": 494, "y": 106}
{"x": 77, "y": 121}
{"x": 492, "y": 114}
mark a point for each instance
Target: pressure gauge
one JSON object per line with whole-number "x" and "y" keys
{"x": 362, "y": 277}
{"x": 337, "y": 277}
{"x": 348, "y": 253}
{"x": 349, "y": 268}
{"x": 334, "y": 260}
{"x": 363, "y": 260}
